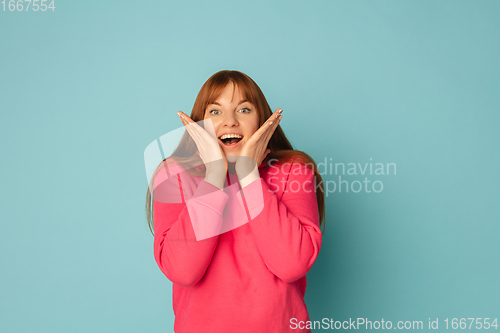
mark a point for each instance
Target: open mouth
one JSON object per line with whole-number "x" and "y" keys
{"x": 230, "y": 140}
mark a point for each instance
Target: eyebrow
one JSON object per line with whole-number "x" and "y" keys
{"x": 241, "y": 102}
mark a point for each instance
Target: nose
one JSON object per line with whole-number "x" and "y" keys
{"x": 230, "y": 120}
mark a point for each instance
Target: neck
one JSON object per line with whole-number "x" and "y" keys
{"x": 230, "y": 167}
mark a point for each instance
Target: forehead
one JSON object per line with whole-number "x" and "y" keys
{"x": 230, "y": 94}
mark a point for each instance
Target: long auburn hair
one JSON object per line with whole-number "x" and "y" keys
{"x": 281, "y": 149}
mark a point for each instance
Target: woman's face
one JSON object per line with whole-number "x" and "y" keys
{"x": 232, "y": 114}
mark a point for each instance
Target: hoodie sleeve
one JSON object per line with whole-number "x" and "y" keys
{"x": 286, "y": 230}
{"x": 186, "y": 229}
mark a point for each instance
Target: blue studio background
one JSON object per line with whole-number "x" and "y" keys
{"x": 86, "y": 87}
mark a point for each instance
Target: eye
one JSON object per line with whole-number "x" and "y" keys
{"x": 246, "y": 110}
{"x": 214, "y": 112}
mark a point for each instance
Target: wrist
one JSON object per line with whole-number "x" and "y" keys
{"x": 247, "y": 178}
{"x": 217, "y": 179}
{"x": 216, "y": 175}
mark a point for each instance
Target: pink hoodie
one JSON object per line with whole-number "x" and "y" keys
{"x": 228, "y": 274}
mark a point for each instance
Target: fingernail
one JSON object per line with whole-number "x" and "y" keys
{"x": 180, "y": 114}
{"x": 281, "y": 110}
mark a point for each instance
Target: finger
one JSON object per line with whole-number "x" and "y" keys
{"x": 275, "y": 115}
{"x": 278, "y": 113}
{"x": 271, "y": 129}
{"x": 201, "y": 131}
{"x": 185, "y": 123}
{"x": 201, "y": 136}
{"x": 181, "y": 117}
{"x": 273, "y": 119}
{"x": 185, "y": 118}
{"x": 194, "y": 129}
{"x": 267, "y": 125}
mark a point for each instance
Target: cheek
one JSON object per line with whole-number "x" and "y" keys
{"x": 252, "y": 129}
{"x": 215, "y": 123}
{"x": 254, "y": 124}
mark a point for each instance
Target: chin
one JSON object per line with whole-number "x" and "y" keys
{"x": 231, "y": 152}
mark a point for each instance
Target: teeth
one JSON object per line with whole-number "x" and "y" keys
{"x": 227, "y": 136}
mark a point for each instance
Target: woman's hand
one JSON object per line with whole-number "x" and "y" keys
{"x": 255, "y": 150}
{"x": 209, "y": 151}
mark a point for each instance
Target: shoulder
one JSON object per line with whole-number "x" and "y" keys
{"x": 170, "y": 166}
{"x": 167, "y": 169}
{"x": 294, "y": 176}
{"x": 280, "y": 174}
{"x": 173, "y": 182}
{"x": 294, "y": 165}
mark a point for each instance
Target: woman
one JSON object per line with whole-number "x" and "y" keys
{"x": 237, "y": 215}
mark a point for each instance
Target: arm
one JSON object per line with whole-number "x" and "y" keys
{"x": 286, "y": 230}
{"x": 183, "y": 241}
